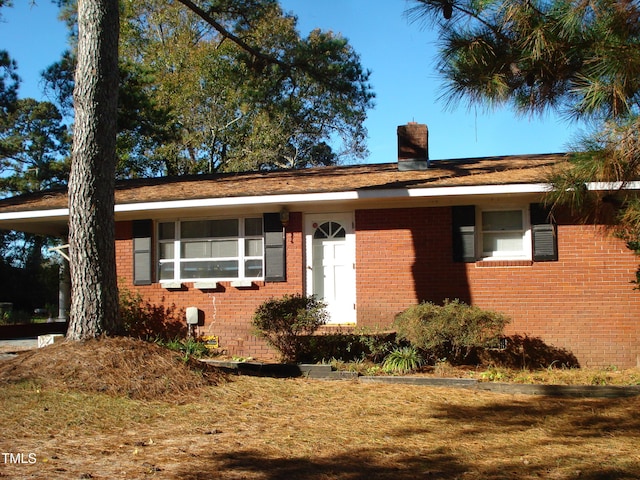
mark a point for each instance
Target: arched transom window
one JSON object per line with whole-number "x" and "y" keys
{"x": 329, "y": 230}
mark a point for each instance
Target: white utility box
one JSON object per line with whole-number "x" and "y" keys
{"x": 193, "y": 316}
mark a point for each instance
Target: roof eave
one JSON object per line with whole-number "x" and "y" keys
{"x": 54, "y": 221}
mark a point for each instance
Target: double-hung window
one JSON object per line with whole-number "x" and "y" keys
{"x": 504, "y": 233}
{"x": 216, "y": 249}
{"x": 519, "y": 232}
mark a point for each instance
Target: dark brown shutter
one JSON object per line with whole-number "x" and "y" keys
{"x": 464, "y": 233}
{"x": 544, "y": 234}
{"x": 142, "y": 252}
{"x": 275, "y": 255}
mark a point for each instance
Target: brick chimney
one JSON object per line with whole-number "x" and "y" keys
{"x": 413, "y": 147}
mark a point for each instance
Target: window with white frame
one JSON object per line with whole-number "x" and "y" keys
{"x": 518, "y": 232}
{"x": 214, "y": 249}
{"x": 504, "y": 233}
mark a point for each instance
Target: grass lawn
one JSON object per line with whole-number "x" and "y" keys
{"x": 264, "y": 428}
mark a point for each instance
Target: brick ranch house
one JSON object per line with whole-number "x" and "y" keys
{"x": 371, "y": 240}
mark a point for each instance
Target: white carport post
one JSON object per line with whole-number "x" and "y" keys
{"x": 64, "y": 283}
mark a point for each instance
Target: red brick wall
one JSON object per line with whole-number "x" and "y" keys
{"x": 227, "y": 310}
{"x": 403, "y": 256}
{"x": 583, "y": 303}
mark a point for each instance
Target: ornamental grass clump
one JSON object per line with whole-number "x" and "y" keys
{"x": 453, "y": 330}
{"x": 285, "y": 322}
{"x": 403, "y": 360}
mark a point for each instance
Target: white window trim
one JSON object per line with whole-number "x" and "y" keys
{"x": 526, "y": 252}
{"x": 177, "y": 261}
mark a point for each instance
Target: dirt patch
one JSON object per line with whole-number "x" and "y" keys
{"x": 116, "y": 366}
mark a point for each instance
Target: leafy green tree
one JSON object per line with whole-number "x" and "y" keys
{"x": 143, "y": 126}
{"x": 581, "y": 59}
{"x": 239, "y": 108}
{"x": 58, "y": 82}
{"x": 197, "y": 95}
{"x": 34, "y": 143}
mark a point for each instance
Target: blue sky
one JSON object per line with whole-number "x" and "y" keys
{"x": 400, "y": 55}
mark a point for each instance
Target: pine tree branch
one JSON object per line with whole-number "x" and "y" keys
{"x": 234, "y": 38}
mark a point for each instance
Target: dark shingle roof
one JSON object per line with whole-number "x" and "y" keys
{"x": 514, "y": 169}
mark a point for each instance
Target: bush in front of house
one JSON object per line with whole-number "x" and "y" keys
{"x": 285, "y": 322}
{"x": 403, "y": 360}
{"x": 140, "y": 319}
{"x": 362, "y": 344}
{"x": 452, "y": 331}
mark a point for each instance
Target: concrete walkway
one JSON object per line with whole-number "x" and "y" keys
{"x": 18, "y": 344}
{"x": 9, "y": 348}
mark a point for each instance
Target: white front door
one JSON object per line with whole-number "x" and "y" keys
{"x": 330, "y": 247}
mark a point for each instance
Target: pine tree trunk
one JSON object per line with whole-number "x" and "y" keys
{"x": 94, "y": 298}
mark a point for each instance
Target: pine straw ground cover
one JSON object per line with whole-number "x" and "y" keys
{"x": 264, "y": 428}
{"x": 117, "y": 366}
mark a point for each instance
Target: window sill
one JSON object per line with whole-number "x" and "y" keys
{"x": 503, "y": 263}
{"x": 212, "y": 285}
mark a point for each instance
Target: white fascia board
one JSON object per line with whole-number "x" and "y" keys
{"x": 25, "y": 215}
{"x": 608, "y": 186}
{"x": 300, "y": 198}
{"x": 236, "y": 201}
{"x": 351, "y": 195}
{"x": 458, "y": 191}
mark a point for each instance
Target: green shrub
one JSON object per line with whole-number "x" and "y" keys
{"x": 377, "y": 344}
{"x": 453, "y": 331}
{"x": 284, "y": 322}
{"x": 140, "y": 319}
{"x": 351, "y": 346}
{"x": 403, "y": 360}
